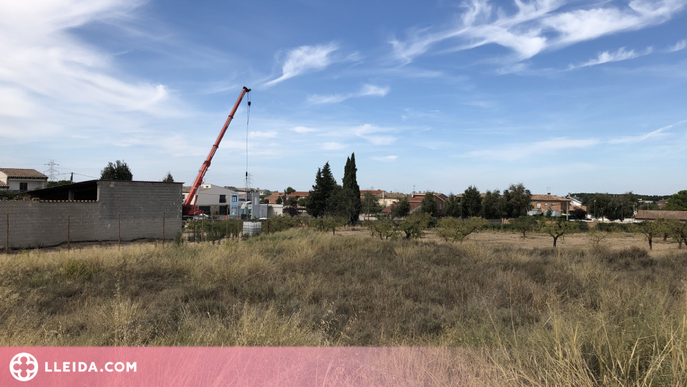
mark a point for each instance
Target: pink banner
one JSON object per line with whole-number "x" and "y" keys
{"x": 236, "y": 366}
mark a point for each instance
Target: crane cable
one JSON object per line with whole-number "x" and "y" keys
{"x": 247, "y": 133}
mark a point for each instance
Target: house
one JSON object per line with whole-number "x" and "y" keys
{"x": 216, "y": 200}
{"x": 384, "y": 199}
{"x": 22, "y": 180}
{"x": 556, "y": 204}
{"x": 658, "y": 214}
{"x": 272, "y": 199}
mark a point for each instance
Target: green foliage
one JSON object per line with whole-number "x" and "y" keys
{"x": 318, "y": 200}
{"x": 168, "y": 178}
{"x": 677, "y": 202}
{"x": 278, "y": 200}
{"x": 266, "y": 193}
{"x": 400, "y": 209}
{"x": 383, "y": 227}
{"x": 303, "y": 201}
{"x": 456, "y": 230}
{"x": 290, "y": 211}
{"x": 203, "y": 230}
{"x": 471, "y": 203}
{"x": 677, "y": 230}
{"x": 57, "y": 183}
{"x": 353, "y": 203}
{"x": 12, "y": 195}
{"x": 328, "y": 223}
{"x": 118, "y": 170}
{"x": 518, "y": 200}
{"x": 650, "y": 231}
{"x": 279, "y": 224}
{"x": 612, "y": 207}
{"x": 579, "y": 213}
{"x": 289, "y": 190}
{"x": 369, "y": 204}
{"x": 525, "y": 224}
{"x": 292, "y": 201}
{"x": 452, "y": 206}
{"x": 557, "y": 229}
{"x": 429, "y": 205}
{"x": 413, "y": 225}
{"x": 493, "y": 205}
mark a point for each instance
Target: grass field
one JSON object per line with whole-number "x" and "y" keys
{"x": 523, "y": 312}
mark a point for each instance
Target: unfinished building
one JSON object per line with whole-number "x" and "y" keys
{"x": 96, "y": 210}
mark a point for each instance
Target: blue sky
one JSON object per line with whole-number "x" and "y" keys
{"x": 579, "y": 96}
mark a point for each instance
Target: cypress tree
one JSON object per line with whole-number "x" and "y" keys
{"x": 318, "y": 200}
{"x": 351, "y": 190}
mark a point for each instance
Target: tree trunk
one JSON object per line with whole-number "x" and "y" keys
{"x": 651, "y": 245}
{"x": 554, "y": 241}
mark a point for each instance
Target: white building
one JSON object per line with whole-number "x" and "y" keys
{"x": 22, "y": 180}
{"x": 216, "y": 200}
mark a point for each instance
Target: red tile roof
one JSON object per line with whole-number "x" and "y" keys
{"x": 19, "y": 173}
{"x": 658, "y": 214}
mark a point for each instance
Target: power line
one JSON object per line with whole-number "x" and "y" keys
{"x": 52, "y": 171}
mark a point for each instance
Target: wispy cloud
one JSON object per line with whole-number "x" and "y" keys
{"x": 268, "y": 134}
{"x": 523, "y": 151}
{"x": 658, "y": 133}
{"x": 333, "y": 146}
{"x": 678, "y": 46}
{"x": 607, "y": 56}
{"x": 305, "y": 59}
{"x": 534, "y": 27}
{"x": 384, "y": 158}
{"x": 303, "y": 129}
{"x": 367, "y": 90}
{"x": 372, "y": 134}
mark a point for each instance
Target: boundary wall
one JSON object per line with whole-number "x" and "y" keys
{"x": 134, "y": 209}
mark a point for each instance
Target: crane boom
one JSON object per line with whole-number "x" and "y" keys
{"x": 189, "y": 206}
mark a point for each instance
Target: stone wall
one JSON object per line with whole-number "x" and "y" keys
{"x": 138, "y": 205}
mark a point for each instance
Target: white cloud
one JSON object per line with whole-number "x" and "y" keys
{"x": 384, "y": 158}
{"x": 523, "y": 151}
{"x": 332, "y": 146}
{"x": 535, "y": 26}
{"x": 678, "y": 46}
{"x": 658, "y": 133}
{"x": 269, "y": 134}
{"x": 607, "y": 56}
{"x": 304, "y": 59}
{"x": 366, "y": 90}
{"x": 371, "y": 134}
{"x": 303, "y": 129}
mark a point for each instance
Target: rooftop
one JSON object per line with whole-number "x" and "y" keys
{"x": 19, "y": 173}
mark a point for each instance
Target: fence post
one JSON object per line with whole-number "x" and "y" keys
{"x": 163, "y": 229}
{"x": 202, "y": 228}
{"x": 7, "y": 236}
{"x": 119, "y": 232}
{"x": 69, "y": 236}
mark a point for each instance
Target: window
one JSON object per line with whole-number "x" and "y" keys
{"x": 222, "y": 198}
{"x": 553, "y": 204}
{"x": 234, "y": 198}
{"x": 538, "y": 205}
{"x": 23, "y": 187}
{"x": 546, "y": 204}
{"x": 233, "y": 210}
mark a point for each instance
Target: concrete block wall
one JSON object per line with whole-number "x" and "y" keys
{"x": 140, "y": 206}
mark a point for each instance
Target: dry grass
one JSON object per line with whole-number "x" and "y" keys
{"x": 533, "y": 316}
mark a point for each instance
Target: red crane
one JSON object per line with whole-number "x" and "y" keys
{"x": 189, "y": 206}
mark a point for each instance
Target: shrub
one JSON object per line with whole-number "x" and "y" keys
{"x": 456, "y": 230}
{"x": 413, "y": 225}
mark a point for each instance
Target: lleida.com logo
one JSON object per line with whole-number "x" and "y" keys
{"x": 24, "y": 367}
